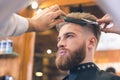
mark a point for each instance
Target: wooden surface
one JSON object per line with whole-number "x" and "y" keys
{"x": 46, "y": 3}
{"x": 108, "y": 56}
{"x": 28, "y": 57}
{"x": 20, "y": 67}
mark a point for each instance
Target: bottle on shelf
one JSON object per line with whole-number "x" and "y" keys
{"x": 2, "y": 46}
{"x": 9, "y": 46}
{"x": 6, "y": 46}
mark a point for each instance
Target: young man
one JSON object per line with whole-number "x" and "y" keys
{"x": 77, "y": 41}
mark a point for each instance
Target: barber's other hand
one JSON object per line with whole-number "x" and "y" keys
{"x": 46, "y": 19}
{"x": 106, "y": 20}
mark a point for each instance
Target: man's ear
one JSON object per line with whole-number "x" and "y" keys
{"x": 92, "y": 42}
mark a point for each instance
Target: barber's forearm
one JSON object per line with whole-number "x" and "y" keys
{"x": 16, "y": 25}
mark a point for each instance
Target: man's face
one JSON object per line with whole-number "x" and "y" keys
{"x": 71, "y": 46}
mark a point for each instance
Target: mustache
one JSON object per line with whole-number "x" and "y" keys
{"x": 62, "y": 48}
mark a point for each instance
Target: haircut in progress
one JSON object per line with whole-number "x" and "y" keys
{"x": 73, "y": 25}
{"x": 84, "y": 19}
{"x": 77, "y": 41}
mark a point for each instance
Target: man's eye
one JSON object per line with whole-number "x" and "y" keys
{"x": 68, "y": 36}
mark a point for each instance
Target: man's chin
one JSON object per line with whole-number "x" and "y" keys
{"x": 63, "y": 68}
{"x": 62, "y": 65}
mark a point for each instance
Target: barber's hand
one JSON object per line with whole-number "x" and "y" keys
{"x": 46, "y": 19}
{"x": 106, "y": 21}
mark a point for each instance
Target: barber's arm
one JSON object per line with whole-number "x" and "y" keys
{"x": 9, "y": 21}
{"x": 17, "y": 25}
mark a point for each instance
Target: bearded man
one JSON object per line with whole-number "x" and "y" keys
{"x": 77, "y": 41}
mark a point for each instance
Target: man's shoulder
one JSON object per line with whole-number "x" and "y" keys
{"x": 108, "y": 76}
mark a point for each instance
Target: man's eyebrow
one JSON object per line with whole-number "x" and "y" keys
{"x": 69, "y": 33}
{"x": 66, "y": 34}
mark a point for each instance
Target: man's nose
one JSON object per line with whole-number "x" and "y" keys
{"x": 61, "y": 43}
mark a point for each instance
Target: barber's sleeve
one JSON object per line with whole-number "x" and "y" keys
{"x": 16, "y": 25}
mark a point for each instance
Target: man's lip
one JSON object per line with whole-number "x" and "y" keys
{"x": 62, "y": 52}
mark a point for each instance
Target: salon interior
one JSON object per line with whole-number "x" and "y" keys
{"x": 34, "y": 54}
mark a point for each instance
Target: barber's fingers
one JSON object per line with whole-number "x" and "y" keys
{"x": 107, "y": 30}
{"x": 54, "y": 15}
{"x": 101, "y": 21}
{"x": 54, "y": 8}
{"x": 104, "y": 27}
{"x": 58, "y": 13}
{"x": 55, "y": 22}
{"x": 105, "y": 19}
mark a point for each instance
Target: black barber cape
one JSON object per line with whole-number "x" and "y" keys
{"x": 89, "y": 71}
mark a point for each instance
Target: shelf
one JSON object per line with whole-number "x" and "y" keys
{"x": 9, "y": 55}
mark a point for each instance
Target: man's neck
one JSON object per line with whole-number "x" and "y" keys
{"x": 87, "y": 60}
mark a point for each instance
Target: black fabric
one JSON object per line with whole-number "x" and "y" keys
{"x": 89, "y": 72}
{"x": 76, "y": 21}
{"x": 81, "y": 22}
{"x": 107, "y": 76}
